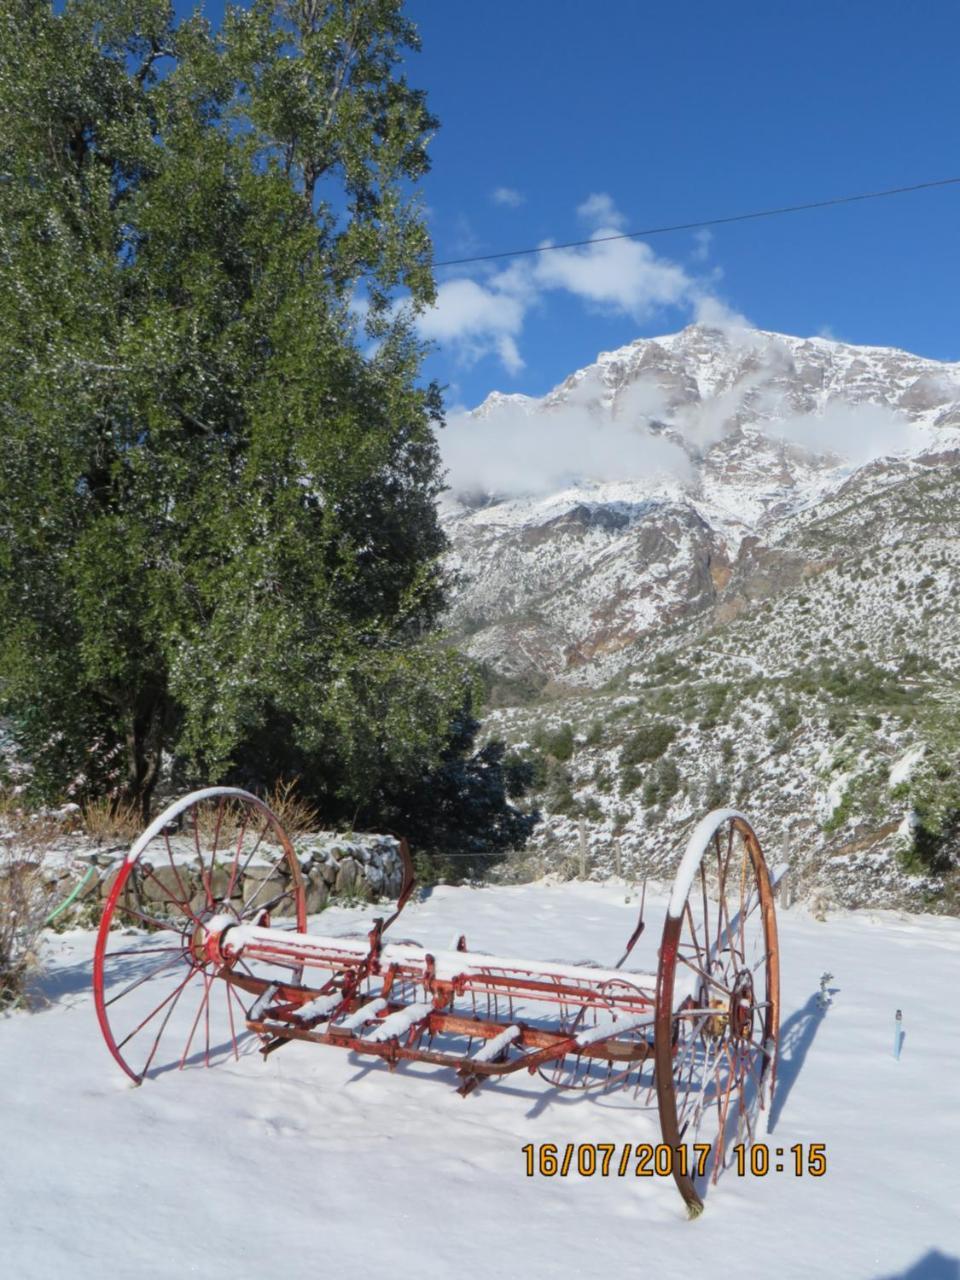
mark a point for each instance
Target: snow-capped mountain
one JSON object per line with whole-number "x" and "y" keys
{"x": 685, "y": 448}
{"x": 752, "y": 541}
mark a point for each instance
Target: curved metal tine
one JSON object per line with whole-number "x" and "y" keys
{"x": 724, "y": 1110}
{"x": 686, "y": 1071}
{"x": 704, "y": 1076}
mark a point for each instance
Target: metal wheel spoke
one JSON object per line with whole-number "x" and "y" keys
{"x": 710, "y": 1076}
{"x": 142, "y": 951}
{"x": 212, "y": 820}
{"x": 153, "y": 1013}
{"x": 706, "y": 976}
{"x": 153, "y": 973}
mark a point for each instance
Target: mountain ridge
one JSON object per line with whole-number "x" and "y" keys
{"x": 794, "y": 523}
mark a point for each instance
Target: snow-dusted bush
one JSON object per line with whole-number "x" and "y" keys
{"x": 25, "y": 901}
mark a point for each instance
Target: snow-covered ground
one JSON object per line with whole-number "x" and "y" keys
{"x": 316, "y": 1162}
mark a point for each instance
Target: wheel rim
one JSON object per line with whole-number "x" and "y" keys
{"x": 161, "y": 1000}
{"x": 718, "y": 1006}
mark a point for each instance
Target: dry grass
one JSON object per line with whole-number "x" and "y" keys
{"x": 296, "y": 815}
{"x": 111, "y": 821}
{"x": 27, "y": 891}
{"x": 224, "y": 820}
{"x": 26, "y": 898}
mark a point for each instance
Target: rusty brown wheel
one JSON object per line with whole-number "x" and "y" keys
{"x": 717, "y": 1002}
{"x": 218, "y": 855}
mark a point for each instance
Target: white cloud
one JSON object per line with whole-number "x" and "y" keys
{"x": 855, "y": 432}
{"x": 599, "y": 210}
{"x": 508, "y": 197}
{"x": 641, "y": 401}
{"x": 485, "y": 316}
{"x": 477, "y": 319}
{"x": 623, "y": 275}
{"x": 510, "y": 451}
{"x": 702, "y": 241}
{"x": 715, "y": 314}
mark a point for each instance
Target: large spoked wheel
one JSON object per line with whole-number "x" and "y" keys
{"x": 718, "y": 1001}
{"x": 161, "y": 1000}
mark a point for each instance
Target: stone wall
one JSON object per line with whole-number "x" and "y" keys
{"x": 333, "y": 867}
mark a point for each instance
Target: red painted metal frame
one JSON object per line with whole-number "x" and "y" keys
{"x": 570, "y": 1022}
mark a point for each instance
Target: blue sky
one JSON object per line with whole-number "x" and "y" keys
{"x": 560, "y": 119}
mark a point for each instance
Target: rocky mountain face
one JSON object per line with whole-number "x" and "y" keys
{"x": 722, "y": 567}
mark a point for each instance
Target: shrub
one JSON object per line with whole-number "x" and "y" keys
{"x": 295, "y": 814}
{"x": 630, "y": 779}
{"x": 648, "y": 743}
{"x": 25, "y": 902}
{"x": 662, "y": 784}
{"x": 555, "y": 742}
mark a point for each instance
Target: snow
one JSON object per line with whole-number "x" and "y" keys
{"x": 243, "y": 940}
{"x": 173, "y": 811}
{"x": 254, "y": 1166}
{"x": 496, "y": 1044}
{"x": 320, "y": 1007}
{"x": 397, "y": 1024}
{"x": 612, "y": 1026}
{"x": 903, "y": 767}
{"x": 364, "y": 1014}
{"x": 693, "y": 855}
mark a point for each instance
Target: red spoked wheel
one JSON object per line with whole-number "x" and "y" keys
{"x": 718, "y": 1001}
{"x": 161, "y": 999}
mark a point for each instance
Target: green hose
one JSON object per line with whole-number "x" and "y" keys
{"x": 91, "y": 871}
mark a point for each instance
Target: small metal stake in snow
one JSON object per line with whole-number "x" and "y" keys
{"x": 825, "y": 999}
{"x": 897, "y": 1034}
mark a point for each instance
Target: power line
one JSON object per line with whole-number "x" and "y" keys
{"x": 704, "y": 222}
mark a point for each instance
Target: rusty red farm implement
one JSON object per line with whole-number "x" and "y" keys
{"x": 203, "y": 938}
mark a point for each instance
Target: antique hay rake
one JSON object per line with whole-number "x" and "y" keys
{"x": 212, "y": 905}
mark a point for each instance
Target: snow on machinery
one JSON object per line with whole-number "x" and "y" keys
{"x": 184, "y": 966}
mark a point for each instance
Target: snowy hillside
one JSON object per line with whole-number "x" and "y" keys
{"x": 315, "y": 1160}
{"x": 751, "y": 541}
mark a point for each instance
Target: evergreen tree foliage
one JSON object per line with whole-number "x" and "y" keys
{"x": 219, "y": 468}
{"x": 462, "y": 807}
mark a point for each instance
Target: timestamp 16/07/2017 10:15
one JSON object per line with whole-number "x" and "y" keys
{"x": 611, "y": 1159}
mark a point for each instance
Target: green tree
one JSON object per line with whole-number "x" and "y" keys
{"x": 219, "y": 468}
{"x": 460, "y": 813}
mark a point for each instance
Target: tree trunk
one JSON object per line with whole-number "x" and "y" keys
{"x": 144, "y": 741}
